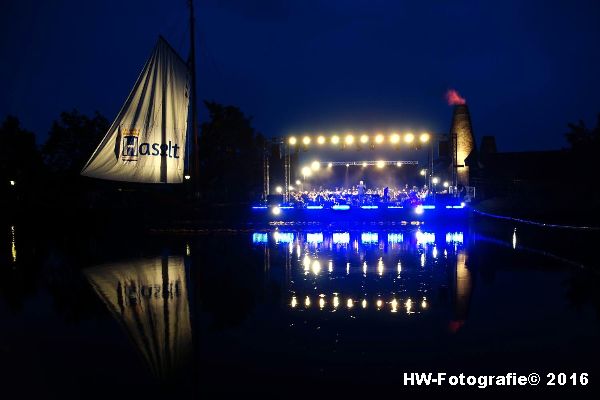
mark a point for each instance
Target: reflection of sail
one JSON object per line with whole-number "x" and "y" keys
{"x": 149, "y": 297}
{"x": 462, "y": 291}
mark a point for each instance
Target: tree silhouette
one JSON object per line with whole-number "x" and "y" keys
{"x": 71, "y": 141}
{"x": 581, "y": 138}
{"x": 230, "y": 155}
{"x": 20, "y": 159}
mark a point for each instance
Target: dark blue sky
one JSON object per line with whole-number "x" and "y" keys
{"x": 526, "y": 68}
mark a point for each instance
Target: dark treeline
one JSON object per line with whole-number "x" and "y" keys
{"x": 44, "y": 178}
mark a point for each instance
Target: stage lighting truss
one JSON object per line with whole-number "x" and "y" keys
{"x": 361, "y": 140}
{"x": 377, "y": 163}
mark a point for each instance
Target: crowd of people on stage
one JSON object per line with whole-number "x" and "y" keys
{"x": 360, "y": 195}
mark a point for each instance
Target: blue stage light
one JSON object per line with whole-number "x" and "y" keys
{"x": 395, "y": 237}
{"x": 369, "y": 207}
{"x": 314, "y": 237}
{"x": 395, "y": 206}
{"x": 314, "y": 207}
{"x": 340, "y": 207}
{"x": 369, "y": 237}
{"x": 259, "y": 207}
{"x": 283, "y": 237}
{"x": 428, "y": 207}
{"x": 419, "y": 210}
{"x": 341, "y": 238}
{"x": 454, "y": 237}
{"x": 425, "y": 237}
{"x": 259, "y": 237}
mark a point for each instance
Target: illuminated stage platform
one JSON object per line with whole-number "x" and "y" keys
{"x": 364, "y": 213}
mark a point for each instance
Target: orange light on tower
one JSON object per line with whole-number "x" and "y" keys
{"x": 394, "y": 138}
{"x": 364, "y": 139}
{"x": 349, "y": 139}
{"x": 292, "y": 140}
{"x": 379, "y": 138}
{"x": 335, "y": 139}
{"x": 409, "y": 137}
{"x": 306, "y": 140}
{"x": 424, "y": 138}
{"x": 321, "y": 140}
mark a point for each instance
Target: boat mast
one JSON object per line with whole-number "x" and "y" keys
{"x": 195, "y": 156}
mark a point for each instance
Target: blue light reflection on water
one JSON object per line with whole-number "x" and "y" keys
{"x": 376, "y": 270}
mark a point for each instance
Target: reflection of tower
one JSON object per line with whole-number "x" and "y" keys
{"x": 463, "y": 143}
{"x": 149, "y": 298}
{"x": 463, "y": 288}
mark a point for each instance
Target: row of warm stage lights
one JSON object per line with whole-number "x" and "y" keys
{"x": 349, "y": 139}
{"x": 394, "y": 304}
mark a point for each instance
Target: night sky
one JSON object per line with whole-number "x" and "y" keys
{"x": 526, "y": 68}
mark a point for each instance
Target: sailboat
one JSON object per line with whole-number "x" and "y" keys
{"x": 147, "y": 140}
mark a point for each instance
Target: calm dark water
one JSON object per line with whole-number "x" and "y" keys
{"x": 287, "y": 311}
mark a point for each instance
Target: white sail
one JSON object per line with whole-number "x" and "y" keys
{"x": 149, "y": 298}
{"x": 146, "y": 142}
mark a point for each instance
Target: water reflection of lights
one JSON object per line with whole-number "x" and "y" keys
{"x": 514, "y": 239}
{"x": 395, "y": 238}
{"x": 380, "y": 266}
{"x": 314, "y": 238}
{"x": 399, "y": 267}
{"x": 422, "y": 259}
{"x": 306, "y": 262}
{"x": 434, "y": 253}
{"x": 341, "y": 238}
{"x": 188, "y": 251}
{"x": 13, "y": 244}
{"x": 408, "y": 306}
{"x": 365, "y": 268}
{"x": 330, "y": 269}
{"x": 425, "y": 237}
{"x": 369, "y": 237}
{"x": 316, "y": 267}
{"x": 347, "y": 268}
{"x": 454, "y": 237}
{"x": 395, "y": 304}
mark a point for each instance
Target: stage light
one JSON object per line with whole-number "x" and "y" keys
{"x": 446, "y": 184}
{"x": 349, "y": 139}
{"x": 321, "y": 140}
{"x": 364, "y": 139}
{"x": 423, "y": 172}
{"x": 380, "y": 164}
{"x": 292, "y": 140}
{"x": 409, "y": 137}
{"x": 298, "y": 182}
{"x": 306, "y": 171}
{"x": 419, "y": 210}
{"x": 364, "y": 164}
{"x": 379, "y": 138}
{"x": 424, "y": 138}
{"x": 399, "y": 164}
{"x": 394, "y": 138}
{"x": 278, "y": 189}
{"x": 187, "y": 177}
{"x": 335, "y": 139}
{"x": 347, "y": 165}
{"x": 291, "y": 188}
{"x": 276, "y": 210}
{"x": 329, "y": 165}
{"x": 306, "y": 140}
{"x": 315, "y": 165}
{"x": 435, "y": 180}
